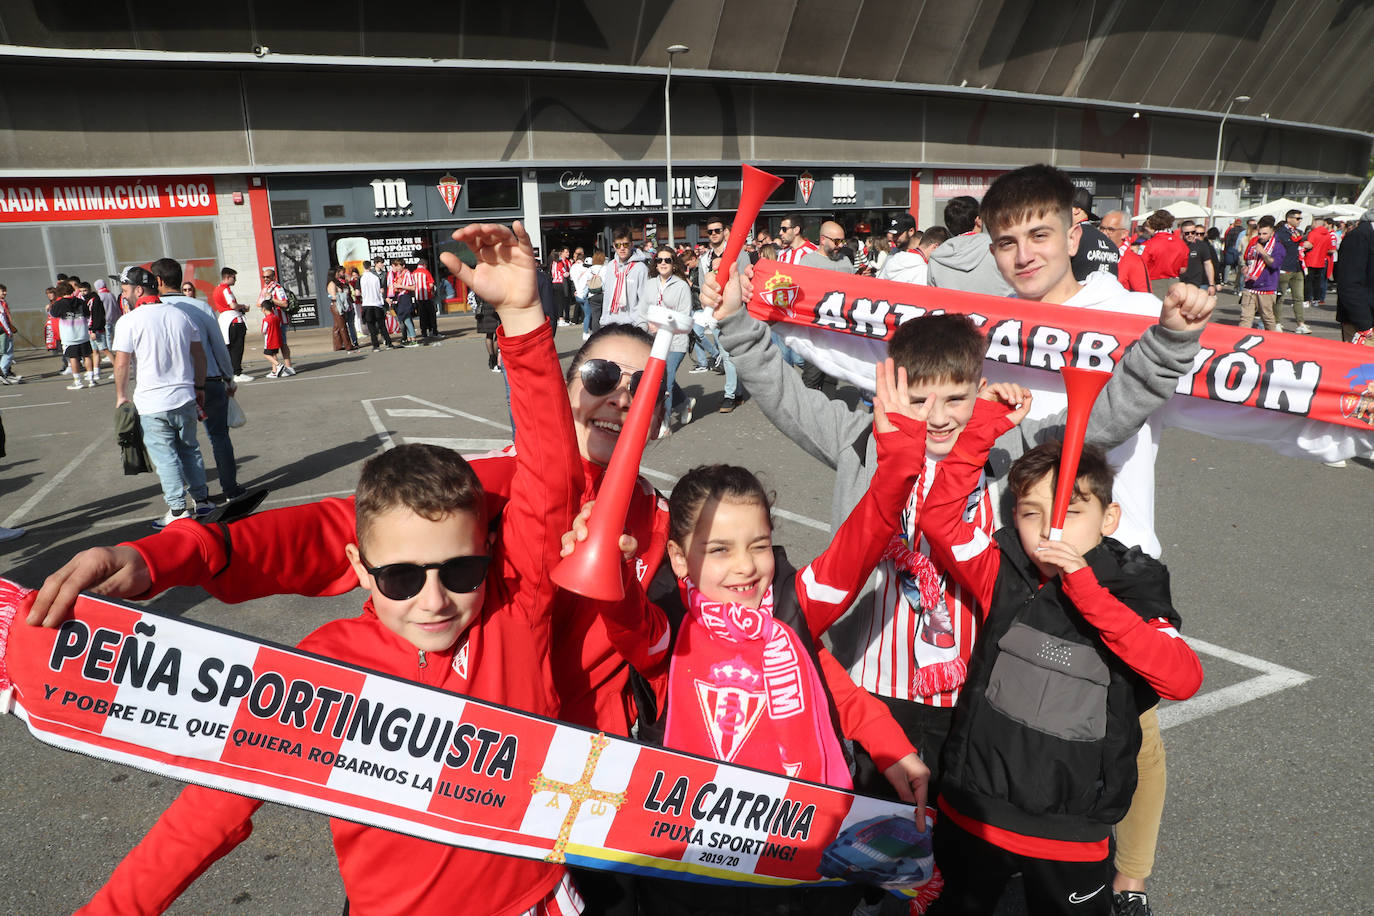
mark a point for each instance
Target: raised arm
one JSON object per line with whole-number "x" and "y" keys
{"x": 546, "y": 487}
{"x": 958, "y": 545}
{"x": 828, "y": 584}
{"x": 821, "y": 426}
{"x": 1144, "y": 380}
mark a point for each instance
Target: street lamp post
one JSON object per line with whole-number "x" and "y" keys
{"x": 1216, "y": 168}
{"x": 673, "y": 51}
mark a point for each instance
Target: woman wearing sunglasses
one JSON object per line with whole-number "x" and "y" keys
{"x": 670, "y": 289}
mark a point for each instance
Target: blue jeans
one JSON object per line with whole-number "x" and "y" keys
{"x": 705, "y": 349}
{"x": 788, "y": 355}
{"x": 586, "y": 314}
{"x": 6, "y": 353}
{"x": 217, "y": 428}
{"x": 672, "y": 393}
{"x": 170, "y": 438}
{"x": 731, "y": 376}
{"x": 409, "y": 324}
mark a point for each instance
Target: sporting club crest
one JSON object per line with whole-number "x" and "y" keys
{"x": 732, "y": 705}
{"x": 706, "y": 189}
{"x": 806, "y": 184}
{"x": 449, "y": 189}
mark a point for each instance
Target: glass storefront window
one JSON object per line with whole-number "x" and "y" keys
{"x": 135, "y": 243}
{"x": 31, "y": 256}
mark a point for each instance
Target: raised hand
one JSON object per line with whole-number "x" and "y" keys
{"x": 504, "y": 275}
{"x": 1017, "y": 397}
{"x": 892, "y": 396}
{"x": 1187, "y": 307}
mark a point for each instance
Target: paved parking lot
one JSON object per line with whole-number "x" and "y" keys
{"x": 1269, "y": 767}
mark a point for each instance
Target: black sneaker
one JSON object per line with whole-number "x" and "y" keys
{"x": 1131, "y": 903}
{"x": 728, "y": 405}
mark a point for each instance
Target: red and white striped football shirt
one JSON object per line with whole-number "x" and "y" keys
{"x": 424, "y": 282}
{"x": 794, "y": 255}
{"x": 897, "y": 638}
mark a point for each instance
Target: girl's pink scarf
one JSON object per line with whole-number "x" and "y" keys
{"x": 743, "y": 689}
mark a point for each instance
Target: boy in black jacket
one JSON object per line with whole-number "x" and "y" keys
{"x": 1080, "y": 638}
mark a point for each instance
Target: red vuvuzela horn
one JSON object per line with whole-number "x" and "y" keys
{"x": 1082, "y": 386}
{"x": 755, "y": 186}
{"x": 593, "y": 568}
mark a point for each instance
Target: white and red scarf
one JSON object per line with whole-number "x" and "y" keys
{"x": 1255, "y": 267}
{"x": 622, "y": 272}
{"x": 742, "y": 688}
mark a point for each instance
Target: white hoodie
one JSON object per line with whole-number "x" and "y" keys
{"x": 848, "y": 357}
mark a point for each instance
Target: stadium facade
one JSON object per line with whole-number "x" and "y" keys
{"x": 302, "y": 136}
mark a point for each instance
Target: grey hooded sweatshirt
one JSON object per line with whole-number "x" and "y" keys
{"x": 965, "y": 262}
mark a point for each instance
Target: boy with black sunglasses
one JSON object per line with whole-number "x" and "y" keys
{"x": 421, "y": 510}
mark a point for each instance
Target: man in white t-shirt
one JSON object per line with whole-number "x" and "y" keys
{"x": 169, "y": 394}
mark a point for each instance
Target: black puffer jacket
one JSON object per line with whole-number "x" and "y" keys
{"x": 1046, "y": 733}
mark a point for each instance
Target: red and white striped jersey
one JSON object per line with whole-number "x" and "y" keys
{"x": 900, "y": 639}
{"x": 794, "y": 255}
{"x": 395, "y": 279}
{"x": 424, "y": 282}
{"x": 558, "y": 270}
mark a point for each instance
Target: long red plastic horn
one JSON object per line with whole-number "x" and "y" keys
{"x": 1082, "y": 386}
{"x": 755, "y": 186}
{"x": 593, "y": 568}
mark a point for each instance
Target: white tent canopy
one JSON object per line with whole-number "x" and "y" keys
{"x": 1277, "y": 209}
{"x": 1183, "y": 209}
{"x": 1340, "y": 211}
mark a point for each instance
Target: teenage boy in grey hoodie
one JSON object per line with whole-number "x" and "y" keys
{"x": 964, "y": 261}
{"x": 1036, "y": 246}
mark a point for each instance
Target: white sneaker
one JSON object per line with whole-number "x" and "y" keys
{"x": 585, "y": 336}
{"x": 245, "y": 377}
{"x": 106, "y": 361}
{"x": 684, "y": 414}
{"x": 1302, "y": 329}
{"x": 204, "y": 507}
{"x": 75, "y": 385}
{"x": 1335, "y": 464}
{"x": 9, "y": 534}
{"x": 14, "y": 378}
{"x": 5, "y": 380}
{"x": 90, "y": 382}
{"x": 287, "y": 370}
{"x": 664, "y": 430}
{"x": 172, "y": 516}
{"x": 66, "y": 370}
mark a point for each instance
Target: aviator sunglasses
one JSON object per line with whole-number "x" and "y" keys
{"x": 600, "y": 376}
{"x": 400, "y": 581}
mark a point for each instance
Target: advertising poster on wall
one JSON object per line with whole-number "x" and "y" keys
{"x": 296, "y": 272}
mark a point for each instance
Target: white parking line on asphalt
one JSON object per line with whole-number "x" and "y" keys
{"x": 18, "y": 514}
{"x": 414, "y": 412}
{"x": 27, "y": 406}
{"x": 1272, "y": 679}
{"x": 468, "y": 446}
{"x": 310, "y": 377}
